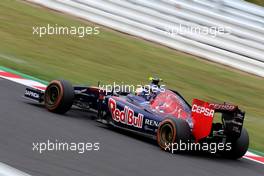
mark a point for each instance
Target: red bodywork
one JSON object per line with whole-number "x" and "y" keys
{"x": 201, "y": 113}
{"x": 169, "y": 103}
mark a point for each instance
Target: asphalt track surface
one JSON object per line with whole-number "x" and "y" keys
{"x": 23, "y": 122}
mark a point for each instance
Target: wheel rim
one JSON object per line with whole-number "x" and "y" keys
{"x": 52, "y": 95}
{"x": 166, "y": 133}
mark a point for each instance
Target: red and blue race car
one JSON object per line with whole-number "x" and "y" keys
{"x": 162, "y": 115}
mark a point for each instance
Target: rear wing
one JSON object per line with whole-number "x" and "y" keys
{"x": 224, "y": 107}
{"x": 203, "y": 114}
{"x": 232, "y": 118}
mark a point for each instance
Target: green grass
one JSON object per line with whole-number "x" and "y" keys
{"x": 112, "y": 56}
{"x": 258, "y": 2}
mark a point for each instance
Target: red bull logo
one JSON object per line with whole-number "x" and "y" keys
{"x": 126, "y": 116}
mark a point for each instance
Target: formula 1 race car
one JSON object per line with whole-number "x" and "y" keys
{"x": 163, "y": 115}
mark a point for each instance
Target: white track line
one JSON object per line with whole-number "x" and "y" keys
{"x": 6, "y": 170}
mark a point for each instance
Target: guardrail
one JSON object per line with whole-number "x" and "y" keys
{"x": 239, "y": 45}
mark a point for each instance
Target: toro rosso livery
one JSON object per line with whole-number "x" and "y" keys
{"x": 163, "y": 114}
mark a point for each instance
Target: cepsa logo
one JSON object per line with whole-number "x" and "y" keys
{"x": 126, "y": 116}
{"x": 225, "y": 107}
{"x": 203, "y": 110}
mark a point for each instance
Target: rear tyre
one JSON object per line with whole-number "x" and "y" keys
{"x": 173, "y": 130}
{"x": 59, "y": 96}
{"x": 238, "y": 147}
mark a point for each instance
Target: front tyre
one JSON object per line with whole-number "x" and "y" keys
{"x": 239, "y": 146}
{"x": 173, "y": 130}
{"x": 59, "y": 96}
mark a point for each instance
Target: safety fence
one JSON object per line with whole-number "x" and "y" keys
{"x": 223, "y": 31}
